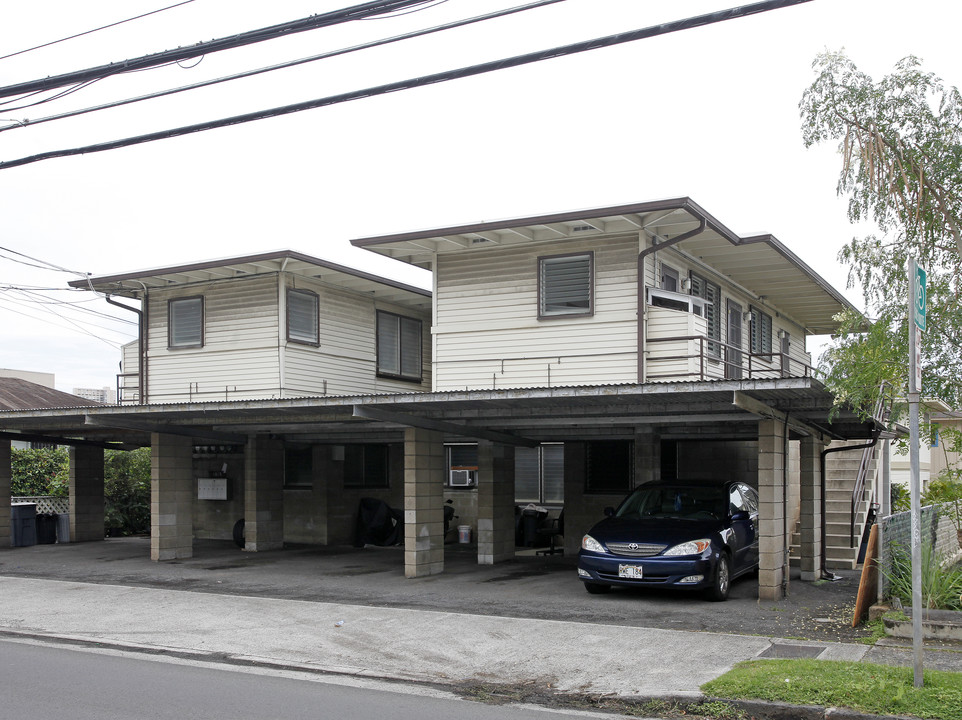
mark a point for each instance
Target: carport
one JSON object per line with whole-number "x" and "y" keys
{"x": 771, "y": 433}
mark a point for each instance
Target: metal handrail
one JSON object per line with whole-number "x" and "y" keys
{"x": 746, "y": 363}
{"x": 122, "y": 387}
{"x": 868, "y": 453}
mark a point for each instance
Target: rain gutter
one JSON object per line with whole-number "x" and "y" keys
{"x": 702, "y": 226}
{"x": 141, "y": 365}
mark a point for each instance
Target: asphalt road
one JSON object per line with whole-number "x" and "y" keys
{"x": 46, "y": 681}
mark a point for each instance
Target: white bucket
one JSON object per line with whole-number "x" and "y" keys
{"x": 464, "y": 534}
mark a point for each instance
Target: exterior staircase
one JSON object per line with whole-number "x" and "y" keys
{"x": 841, "y": 472}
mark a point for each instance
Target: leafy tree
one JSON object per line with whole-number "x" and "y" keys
{"x": 900, "y": 141}
{"x": 946, "y": 491}
{"x": 127, "y": 491}
{"x": 41, "y": 471}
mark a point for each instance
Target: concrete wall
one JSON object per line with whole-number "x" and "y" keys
{"x": 214, "y": 519}
{"x": 342, "y": 502}
{"x": 581, "y": 509}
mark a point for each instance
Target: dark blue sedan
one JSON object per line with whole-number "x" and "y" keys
{"x": 678, "y": 534}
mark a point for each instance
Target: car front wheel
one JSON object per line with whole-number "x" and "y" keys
{"x": 723, "y": 580}
{"x": 597, "y": 588}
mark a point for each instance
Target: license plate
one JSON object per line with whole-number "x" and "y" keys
{"x": 629, "y": 572}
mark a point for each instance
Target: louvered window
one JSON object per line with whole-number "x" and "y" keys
{"x": 761, "y": 329}
{"x": 398, "y": 346}
{"x": 564, "y": 283}
{"x": 185, "y": 322}
{"x": 302, "y": 320}
{"x": 711, "y": 294}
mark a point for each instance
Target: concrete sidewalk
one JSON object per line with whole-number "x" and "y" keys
{"x": 419, "y": 645}
{"x": 352, "y": 611}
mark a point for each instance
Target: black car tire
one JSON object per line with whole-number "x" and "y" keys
{"x": 239, "y": 538}
{"x": 597, "y": 588}
{"x": 723, "y": 580}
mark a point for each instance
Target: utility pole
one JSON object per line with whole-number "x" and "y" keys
{"x": 916, "y": 327}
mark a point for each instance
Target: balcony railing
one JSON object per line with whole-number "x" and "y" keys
{"x": 708, "y": 359}
{"x": 128, "y": 388}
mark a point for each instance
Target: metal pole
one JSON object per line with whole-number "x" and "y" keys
{"x": 915, "y": 494}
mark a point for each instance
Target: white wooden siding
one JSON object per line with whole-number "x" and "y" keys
{"x": 239, "y": 358}
{"x": 246, "y": 354}
{"x": 715, "y": 369}
{"x": 488, "y": 333}
{"x": 674, "y": 359}
{"x": 346, "y": 361}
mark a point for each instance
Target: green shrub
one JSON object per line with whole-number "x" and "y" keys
{"x": 127, "y": 491}
{"x": 941, "y": 587}
{"x": 39, "y": 472}
{"x": 899, "y": 495}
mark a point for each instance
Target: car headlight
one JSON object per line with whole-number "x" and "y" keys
{"x": 591, "y": 545}
{"x": 692, "y": 547}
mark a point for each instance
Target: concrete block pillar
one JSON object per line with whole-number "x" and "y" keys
{"x": 6, "y": 536}
{"x": 810, "y": 511}
{"x": 86, "y": 493}
{"x": 423, "y": 501}
{"x": 172, "y": 489}
{"x": 263, "y": 494}
{"x": 773, "y": 560}
{"x": 495, "y": 502}
{"x": 647, "y": 456}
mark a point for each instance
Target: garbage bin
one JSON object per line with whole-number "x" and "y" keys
{"x": 63, "y": 528}
{"x": 23, "y": 521}
{"x": 46, "y": 529}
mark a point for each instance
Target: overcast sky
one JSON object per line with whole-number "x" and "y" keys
{"x": 710, "y": 113}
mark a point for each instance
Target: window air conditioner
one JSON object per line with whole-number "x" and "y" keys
{"x": 462, "y": 478}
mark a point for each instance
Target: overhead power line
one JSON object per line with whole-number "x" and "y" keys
{"x": 97, "y": 29}
{"x": 335, "y": 17}
{"x": 516, "y": 61}
{"x": 292, "y": 63}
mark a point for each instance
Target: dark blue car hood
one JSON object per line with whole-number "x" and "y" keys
{"x": 665, "y": 531}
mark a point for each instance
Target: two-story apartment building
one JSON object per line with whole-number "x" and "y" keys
{"x": 564, "y": 357}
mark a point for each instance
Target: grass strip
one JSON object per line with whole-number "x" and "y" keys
{"x": 876, "y": 689}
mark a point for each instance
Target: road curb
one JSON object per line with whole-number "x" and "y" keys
{"x": 769, "y": 710}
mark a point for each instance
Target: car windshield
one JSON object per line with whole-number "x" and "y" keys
{"x": 689, "y": 502}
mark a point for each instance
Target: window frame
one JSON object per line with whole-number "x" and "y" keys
{"x": 450, "y": 466}
{"x": 362, "y": 482}
{"x": 295, "y": 465}
{"x": 545, "y": 261}
{"x": 672, "y": 274}
{"x": 543, "y": 483}
{"x": 398, "y": 320}
{"x": 171, "y": 303}
{"x": 316, "y": 300}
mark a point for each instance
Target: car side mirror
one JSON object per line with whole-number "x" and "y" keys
{"x": 740, "y": 515}
{"x": 609, "y": 511}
